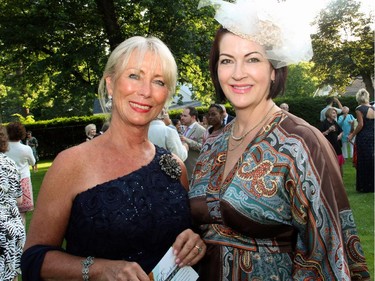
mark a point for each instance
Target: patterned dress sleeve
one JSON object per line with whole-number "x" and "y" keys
{"x": 327, "y": 243}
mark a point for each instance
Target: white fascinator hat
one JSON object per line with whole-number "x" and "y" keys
{"x": 283, "y": 32}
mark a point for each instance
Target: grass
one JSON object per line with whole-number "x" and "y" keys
{"x": 362, "y": 205}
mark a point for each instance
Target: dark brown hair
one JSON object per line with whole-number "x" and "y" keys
{"x": 277, "y": 87}
{"x": 218, "y": 107}
{"x": 3, "y": 139}
{"x": 192, "y": 111}
{"x": 16, "y": 131}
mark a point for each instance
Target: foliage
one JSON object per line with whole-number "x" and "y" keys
{"x": 27, "y": 119}
{"x": 67, "y": 121}
{"x": 344, "y": 46}
{"x": 53, "y": 52}
{"x": 300, "y": 81}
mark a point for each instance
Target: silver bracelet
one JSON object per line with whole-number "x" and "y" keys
{"x": 86, "y": 267}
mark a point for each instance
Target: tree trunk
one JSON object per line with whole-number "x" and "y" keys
{"x": 369, "y": 85}
{"x": 107, "y": 9}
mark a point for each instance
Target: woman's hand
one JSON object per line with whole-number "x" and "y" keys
{"x": 189, "y": 248}
{"x": 350, "y": 137}
{"x": 122, "y": 270}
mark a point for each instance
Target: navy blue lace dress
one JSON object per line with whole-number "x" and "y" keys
{"x": 136, "y": 217}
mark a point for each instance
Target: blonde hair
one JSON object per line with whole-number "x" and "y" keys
{"x": 362, "y": 96}
{"x": 329, "y": 112}
{"x": 89, "y": 127}
{"x": 119, "y": 59}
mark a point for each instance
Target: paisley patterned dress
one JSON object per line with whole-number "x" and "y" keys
{"x": 281, "y": 213}
{"x": 12, "y": 231}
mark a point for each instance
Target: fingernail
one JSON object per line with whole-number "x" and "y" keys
{"x": 177, "y": 261}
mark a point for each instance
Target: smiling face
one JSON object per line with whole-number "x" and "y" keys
{"x": 140, "y": 92}
{"x": 244, "y": 72}
{"x": 331, "y": 114}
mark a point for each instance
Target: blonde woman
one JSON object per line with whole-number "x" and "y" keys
{"x": 364, "y": 141}
{"x": 121, "y": 210}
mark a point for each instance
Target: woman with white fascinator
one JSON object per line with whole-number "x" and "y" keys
{"x": 268, "y": 195}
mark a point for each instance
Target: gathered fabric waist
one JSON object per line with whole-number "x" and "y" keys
{"x": 219, "y": 234}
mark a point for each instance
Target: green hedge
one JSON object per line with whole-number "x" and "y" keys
{"x": 60, "y": 133}
{"x": 308, "y": 108}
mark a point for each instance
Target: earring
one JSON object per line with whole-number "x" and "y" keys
{"x": 108, "y": 104}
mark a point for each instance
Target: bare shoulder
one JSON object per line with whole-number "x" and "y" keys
{"x": 55, "y": 198}
{"x": 68, "y": 171}
{"x": 68, "y": 160}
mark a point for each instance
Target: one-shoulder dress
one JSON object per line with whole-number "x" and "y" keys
{"x": 136, "y": 217}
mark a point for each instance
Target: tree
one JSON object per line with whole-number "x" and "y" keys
{"x": 300, "y": 81}
{"x": 344, "y": 46}
{"x": 53, "y": 52}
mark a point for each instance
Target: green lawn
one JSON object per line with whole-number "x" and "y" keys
{"x": 362, "y": 205}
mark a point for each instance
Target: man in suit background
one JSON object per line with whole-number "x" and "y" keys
{"x": 227, "y": 117}
{"x": 164, "y": 136}
{"x": 192, "y": 136}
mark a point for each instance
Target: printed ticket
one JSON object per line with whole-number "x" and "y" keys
{"x": 168, "y": 270}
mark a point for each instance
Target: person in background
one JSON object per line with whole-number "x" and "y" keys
{"x": 364, "y": 141}
{"x": 215, "y": 118}
{"x": 204, "y": 122}
{"x": 12, "y": 230}
{"x": 227, "y": 118}
{"x": 24, "y": 157}
{"x": 167, "y": 120}
{"x": 268, "y": 196}
{"x": 104, "y": 127}
{"x": 179, "y": 127}
{"x": 284, "y": 106}
{"x": 333, "y": 132}
{"x": 164, "y": 136}
{"x": 120, "y": 211}
{"x": 33, "y": 143}
{"x": 330, "y": 101}
{"x": 90, "y": 131}
{"x": 345, "y": 121}
{"x": 192, "y": 136}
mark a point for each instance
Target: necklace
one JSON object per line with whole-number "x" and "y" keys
{"x": 235, "y": 146}
{"x": 245, "y": 134}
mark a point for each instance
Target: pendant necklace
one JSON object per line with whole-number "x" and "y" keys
{"x": 245, "y": 134}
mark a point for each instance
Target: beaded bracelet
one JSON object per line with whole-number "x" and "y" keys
{"x": 86, "y": 267}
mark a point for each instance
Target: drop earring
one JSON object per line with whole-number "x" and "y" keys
{"x": 108, "y": 104}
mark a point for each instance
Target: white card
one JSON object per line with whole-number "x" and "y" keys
{"x": 168, "y": 270}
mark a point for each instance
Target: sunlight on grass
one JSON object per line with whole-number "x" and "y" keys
{"x": 362, "y": 205}
{"x": 44, "y": 165}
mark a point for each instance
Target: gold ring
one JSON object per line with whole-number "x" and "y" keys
{"x": 199, "y": 249}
